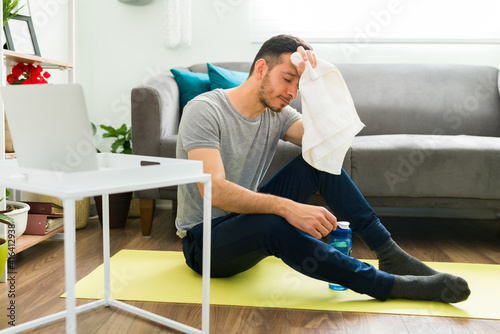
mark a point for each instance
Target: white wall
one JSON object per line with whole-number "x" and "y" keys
{"x": 50, "y": 18}
{"x": 120, "y": 45}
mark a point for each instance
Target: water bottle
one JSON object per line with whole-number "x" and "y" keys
{"x": 340, "y": 238}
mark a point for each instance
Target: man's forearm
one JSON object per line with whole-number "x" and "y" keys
{"x": 231, "y": 197}
{"x": 314, "y": 220}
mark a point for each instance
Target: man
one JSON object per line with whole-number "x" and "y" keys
{"x": 235, "y": 133}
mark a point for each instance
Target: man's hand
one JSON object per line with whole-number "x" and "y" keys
{"x": 307, "y": 55}
{"x": 314, "y": 220}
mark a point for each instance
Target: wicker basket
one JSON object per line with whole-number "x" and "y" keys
{"x": 82, "y": 208}
{"x": 9, "y": 145}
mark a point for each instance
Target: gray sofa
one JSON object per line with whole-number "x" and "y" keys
{"x": 432, "y": 135}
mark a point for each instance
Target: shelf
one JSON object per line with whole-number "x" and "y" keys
{"x": 25, "y": 241}
{"x": 12, "y": 58}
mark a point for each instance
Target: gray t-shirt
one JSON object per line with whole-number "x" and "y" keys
{"x": 247, "y": 146}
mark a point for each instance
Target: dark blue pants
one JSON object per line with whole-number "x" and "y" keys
{"x": 240, "y": 241}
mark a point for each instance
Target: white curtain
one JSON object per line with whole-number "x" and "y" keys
{"x": 177, "y": 30}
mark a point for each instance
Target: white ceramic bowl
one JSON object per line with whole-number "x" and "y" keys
{"x": 20, "y": 216}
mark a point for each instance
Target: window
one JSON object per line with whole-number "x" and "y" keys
{"x": 378, "y": 21}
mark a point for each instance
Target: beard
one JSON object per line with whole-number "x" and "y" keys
{"x": 266, "y": 95}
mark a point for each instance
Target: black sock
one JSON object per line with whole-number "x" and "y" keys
{"x": 443, "y": 288}
{"x": 394, "y": 260}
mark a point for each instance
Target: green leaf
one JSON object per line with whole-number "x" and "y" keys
{"x": 123, "y": 129}
{"x": 110, "y": 135}
{"x": 94, "y": 128}
{"x": 123, "y": 137}
{"x": 127, "y": 147}
{"x": 117, "y": 144}
{"x": 6, "y": 218}
{"x": 109, "y": 129}
{"x": 8, "y": 9}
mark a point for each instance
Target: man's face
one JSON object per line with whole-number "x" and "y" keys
{"x": 279, "y": 86}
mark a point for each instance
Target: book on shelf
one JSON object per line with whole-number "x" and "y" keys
{"x": 42, "y": 224}
{"x": 45, "y": 208}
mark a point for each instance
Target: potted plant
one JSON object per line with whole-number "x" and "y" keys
{"x": 123, "y": 138}
{"x": 119, "y": 204}
{"x": 9, "y": 9}
{"x": 16, "y": 214}
{"x": 4, "y": 252}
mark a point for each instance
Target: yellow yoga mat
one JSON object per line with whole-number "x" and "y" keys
{"x": 159, "y": 276}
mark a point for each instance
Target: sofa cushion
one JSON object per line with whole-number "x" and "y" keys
{"x": 191, "y": 84}
{"x": 224, "y": 78}
{"x": 425, "y": 98}
{"x": 168, "y": 146}
{"x": 427, "y": 166}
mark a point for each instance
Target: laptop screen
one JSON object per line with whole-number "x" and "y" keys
{"x": 50, "y": 127}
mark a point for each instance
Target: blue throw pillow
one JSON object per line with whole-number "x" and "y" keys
{"x": 191, "y": 84}
{"x": 223, "y": 78}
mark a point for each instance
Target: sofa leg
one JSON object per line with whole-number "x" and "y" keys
{"x": 147, "y": 207}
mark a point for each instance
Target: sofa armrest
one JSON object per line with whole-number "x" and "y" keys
{"x": 155, "y": 113}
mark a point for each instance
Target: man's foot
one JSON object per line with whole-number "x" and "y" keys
{"x": 443, "y": 288}
{"x": 394, "y": 260}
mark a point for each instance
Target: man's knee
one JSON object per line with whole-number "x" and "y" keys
{"x": 273, "y": 224}
{"x": 278, "y": 231}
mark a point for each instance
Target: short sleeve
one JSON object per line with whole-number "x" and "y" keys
{"x": 290, "y": 116}
{"x": 200, "y": 126}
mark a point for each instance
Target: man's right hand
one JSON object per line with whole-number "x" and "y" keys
{"x": 314, "y": 220}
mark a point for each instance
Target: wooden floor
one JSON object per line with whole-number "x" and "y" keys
{"x": 40, "y": 282}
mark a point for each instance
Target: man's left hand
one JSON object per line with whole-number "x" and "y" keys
{"x": 307, "y": 55}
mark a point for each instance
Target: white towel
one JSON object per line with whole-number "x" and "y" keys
{"x": 330, "y": 118}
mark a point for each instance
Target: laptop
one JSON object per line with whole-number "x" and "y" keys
{"x": 50, "y": 127}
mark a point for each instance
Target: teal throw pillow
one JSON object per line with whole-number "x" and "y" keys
{"x": 191, "y": 84}
{"x": 223, "y": 78}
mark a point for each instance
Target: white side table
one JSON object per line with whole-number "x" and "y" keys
{"x": 117, "y": 173}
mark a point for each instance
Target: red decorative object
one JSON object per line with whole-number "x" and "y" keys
{"x": 27, "y": 74}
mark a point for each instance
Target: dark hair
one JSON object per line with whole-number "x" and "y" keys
{"x": 274, "y": 47}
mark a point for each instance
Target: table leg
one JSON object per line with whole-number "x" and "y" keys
{"x": 69, "y": 264}
{"x": 106, "y": 248}
{"x": 207, "y": 238}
